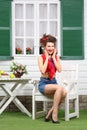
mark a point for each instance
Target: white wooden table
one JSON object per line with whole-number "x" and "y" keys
{"x": 11, "y": 93}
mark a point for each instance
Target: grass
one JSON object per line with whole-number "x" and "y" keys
{"x": 20, "y": 121}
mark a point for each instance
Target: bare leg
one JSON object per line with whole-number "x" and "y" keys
{"x": 59, "y": 94}
{"x": 49, "y": 113}
{"x": 57, "y": 99}
{"x": 64, "y": 93}
{"x": 56, "y": 90}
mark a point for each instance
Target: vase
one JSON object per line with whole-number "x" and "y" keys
{"x": 28, "y": 52}
{"x": 18, "y": 74}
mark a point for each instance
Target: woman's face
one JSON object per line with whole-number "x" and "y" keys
{"x": 50, "y": 48}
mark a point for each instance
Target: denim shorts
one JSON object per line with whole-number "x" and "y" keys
{"x": 43, "y": 82}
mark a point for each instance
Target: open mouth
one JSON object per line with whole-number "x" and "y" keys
{"x": 50, "y": 52}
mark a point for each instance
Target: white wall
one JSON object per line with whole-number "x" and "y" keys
{"x": 83, "y": 63}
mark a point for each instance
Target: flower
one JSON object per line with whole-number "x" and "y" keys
{"x": 28, "y": 50}
{"x": 18, "y": 50}
{"x": 18, "y": 68}
{"x": 44, "y": 39}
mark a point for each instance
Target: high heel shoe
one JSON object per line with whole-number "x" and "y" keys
{"x": 56, "y": 122}
{"x": 49, "y": 117}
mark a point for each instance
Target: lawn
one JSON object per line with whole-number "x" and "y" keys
{"x": 20, "y": 121}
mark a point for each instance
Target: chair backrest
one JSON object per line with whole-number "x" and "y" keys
{"x": 69, "y": 72}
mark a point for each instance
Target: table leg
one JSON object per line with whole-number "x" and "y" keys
{"x": 21, "y": 106}
{"x": 11, "y": 95}
{"x": 3, "y": 100}
{"x": 6, "y": 104}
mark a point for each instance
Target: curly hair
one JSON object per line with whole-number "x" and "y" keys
{"x": 47, "y": 38}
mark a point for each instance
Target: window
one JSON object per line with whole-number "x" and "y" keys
{"x": 5, "y": 29}
{"x": 31, "y": 20}
{"x": 72, "y": 42}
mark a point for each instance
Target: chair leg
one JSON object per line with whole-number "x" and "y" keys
{"x": 33, "y": 108}
{"x": 66, "y": 108}
{"x": 68, "y": 115}
{"x": 45, "y": 106}
{"x": 77, "y": 107}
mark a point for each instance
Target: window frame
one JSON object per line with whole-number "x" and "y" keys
{"x": 36, "y": 44}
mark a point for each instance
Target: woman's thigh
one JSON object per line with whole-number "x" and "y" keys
{"x": 51, "y": 88}
{"x": 49, "y": 85}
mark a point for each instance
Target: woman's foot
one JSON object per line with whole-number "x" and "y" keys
{"x": 54, "y": 121}
{"x": 47, "y": 119}
{"x": 48, "y": 116}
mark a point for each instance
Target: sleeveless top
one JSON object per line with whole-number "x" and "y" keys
{"x": 51, "y": 69}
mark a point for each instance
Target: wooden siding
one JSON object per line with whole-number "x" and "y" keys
{"x": 34, "y": 73}
{"x": 31, "y": 63}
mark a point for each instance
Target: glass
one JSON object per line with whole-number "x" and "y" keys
{"x": 19, "y": 28}
{"x": 53, "y": 28}
{"x": 19, "y": 46}
{"x": 29, "y": 11}
{"x": 19, "y": 11}
{"x": 42, "y": 28}
{"x": 30, "y": 28}
{"x": 29, "y": 46}
{"x": 53, "y": 11}
{"x": 43, "y": 11}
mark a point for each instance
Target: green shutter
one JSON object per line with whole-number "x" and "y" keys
{"x": 72, "y": 29}
{"x": 5, "y": 30}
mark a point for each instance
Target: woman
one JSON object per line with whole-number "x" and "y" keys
{"x": 49, "y": 63}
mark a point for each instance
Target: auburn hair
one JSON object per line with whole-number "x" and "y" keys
{"x": 47, "y": 38}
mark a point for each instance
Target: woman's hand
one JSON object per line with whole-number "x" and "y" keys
{"x": 54, "y": 54}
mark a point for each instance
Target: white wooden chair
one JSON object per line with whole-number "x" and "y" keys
{"x": 68, "y": 78}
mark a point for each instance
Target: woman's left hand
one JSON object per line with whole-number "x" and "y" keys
{"x": 54, "y": 54}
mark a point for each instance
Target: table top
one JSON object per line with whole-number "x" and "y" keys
{"x": 7, "y": 78}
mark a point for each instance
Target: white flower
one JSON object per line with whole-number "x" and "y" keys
{"x": 18, "y": 68}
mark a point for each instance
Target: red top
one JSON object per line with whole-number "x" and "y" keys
{"x": 51, "y": 69}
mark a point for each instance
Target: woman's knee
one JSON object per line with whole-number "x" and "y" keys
{"x": 59, "y": 88}
{"x": 64, "y": 92}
